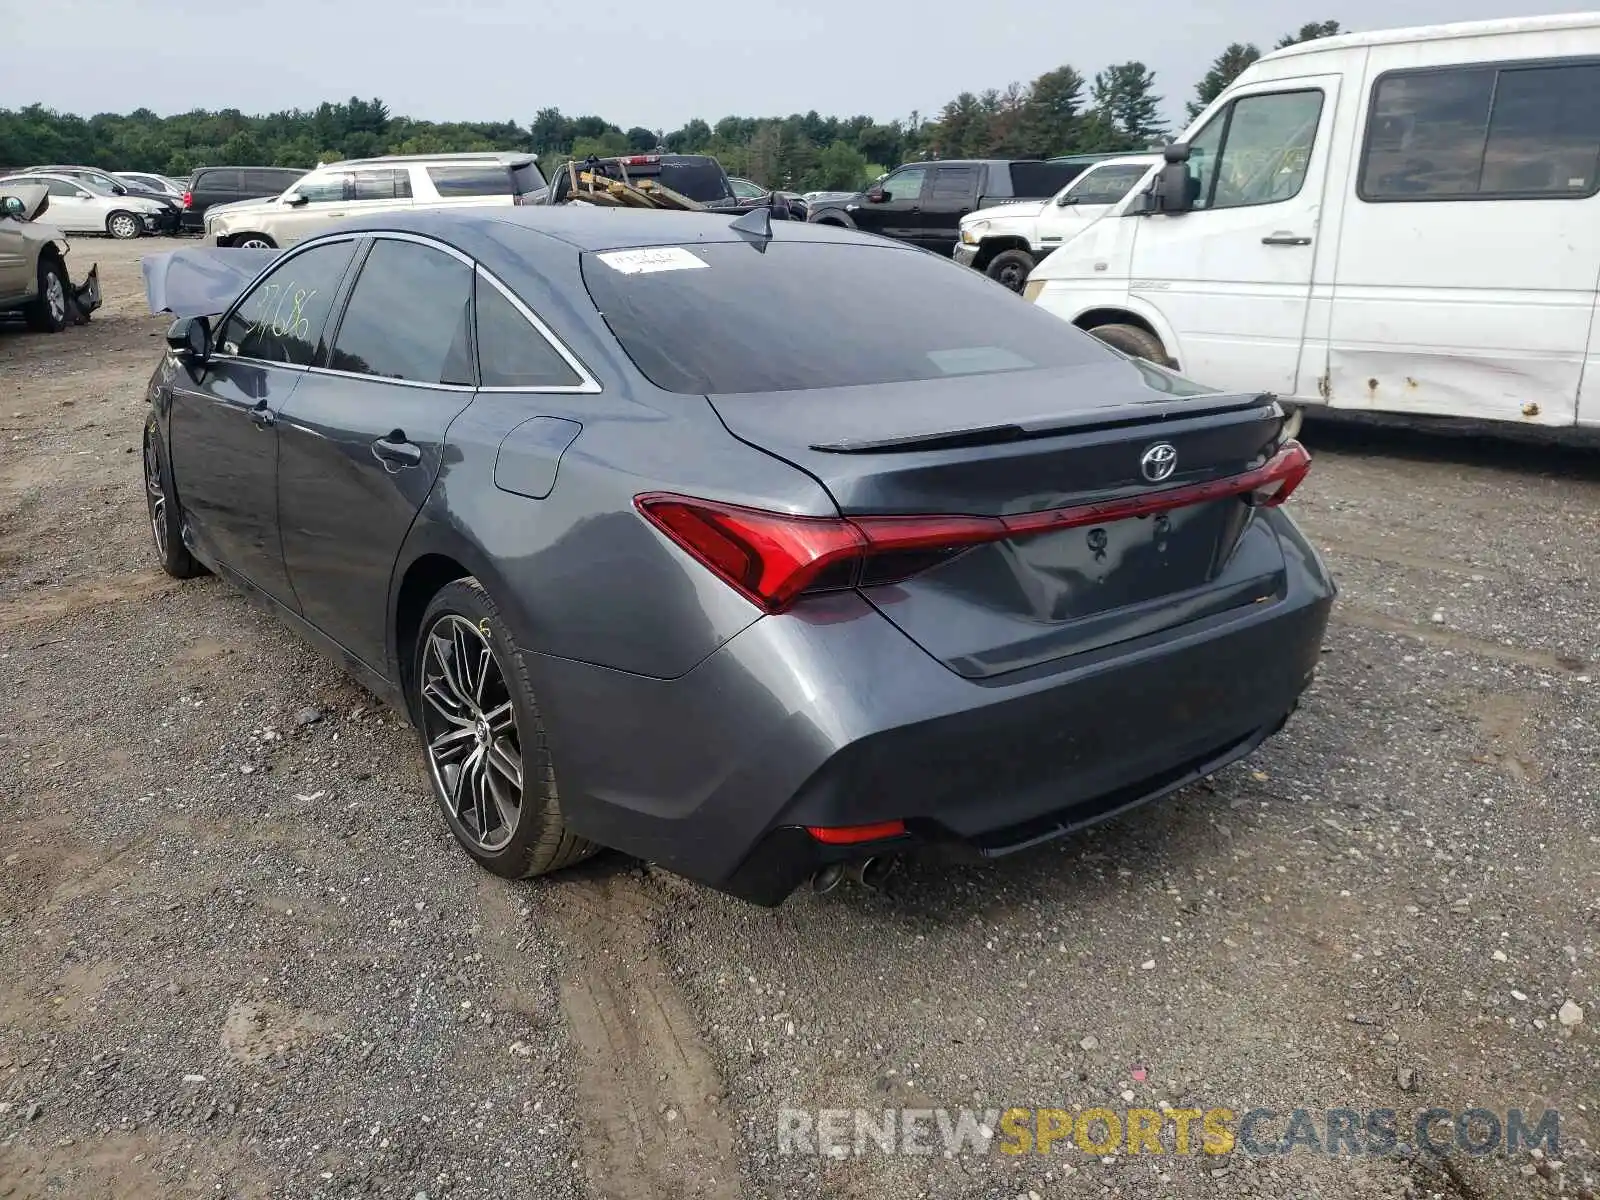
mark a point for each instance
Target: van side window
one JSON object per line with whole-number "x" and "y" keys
{"x": 1482, "y": 133}
{"x": 1255, "y": 151}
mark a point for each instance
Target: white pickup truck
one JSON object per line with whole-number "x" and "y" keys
{"x": 1007, "y": 241}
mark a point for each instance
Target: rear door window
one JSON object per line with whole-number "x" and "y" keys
{"x": 220, "y": 181}
{"x": 728, "y": 325}
{"x": 282, "y": 319}
{"x": 408, "y": 317}
{"x": 954, "y": 183}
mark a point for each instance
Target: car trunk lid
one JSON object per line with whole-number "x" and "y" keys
{"x": 1029, "y": 448}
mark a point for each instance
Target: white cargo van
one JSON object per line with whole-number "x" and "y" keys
{"x": 1404, "y": 221}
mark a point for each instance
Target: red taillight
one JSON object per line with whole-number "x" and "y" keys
{"x": 849, "y": 835}
{"x": 639, "y": 160}
{"x": 773, "y": 558}
{"x": 188, "y": 199}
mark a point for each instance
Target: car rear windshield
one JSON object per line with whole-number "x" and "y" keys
{"x": 1040, "y": 179}
{"x": 799, "y": 316}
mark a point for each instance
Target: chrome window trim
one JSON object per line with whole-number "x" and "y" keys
{"x": 587, "y": 384}
{"x": 292, "y": 252}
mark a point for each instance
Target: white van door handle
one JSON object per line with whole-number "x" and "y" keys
{"x": 1285, "y": 239}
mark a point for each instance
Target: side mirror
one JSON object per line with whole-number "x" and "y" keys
{"x": 876, "y": 195}
{"x": 190, "y": 339}
{"x": 12, "y": 206}
{"x": 1173, "y": 190}
{"x": 118, "y": 190}
{"x": 295, "y": 200}
{"x": 84, "y": 195}
{"x": 1066, "y": 201}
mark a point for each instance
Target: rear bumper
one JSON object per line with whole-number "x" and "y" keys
{"x": 832, "y": 717}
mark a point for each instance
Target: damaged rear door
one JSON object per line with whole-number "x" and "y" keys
{"x": 1469, "y": 250}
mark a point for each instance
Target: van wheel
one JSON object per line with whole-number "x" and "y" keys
{"x": 1010, "y": 268}
{"x": 48, "y": 314}
{"x": 123, "y": 226}
{"x": 1134, "y": 342}
{"x": 253, "y": 241}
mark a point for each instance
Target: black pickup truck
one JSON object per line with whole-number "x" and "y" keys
{"x": 923, "y": 202}
{"x": 697, "y": 177}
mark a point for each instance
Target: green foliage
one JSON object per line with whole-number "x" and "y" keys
{"x": 1308, "y": 32}
{"x": 1225, "y": 68}
{"x": 1125, "y": 98}
{"x": 1058, "y": 113}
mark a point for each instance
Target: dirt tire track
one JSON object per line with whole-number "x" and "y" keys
{"x": 652, "y": 1122}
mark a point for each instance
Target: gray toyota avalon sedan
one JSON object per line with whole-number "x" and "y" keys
{"x": 754, "y": 548}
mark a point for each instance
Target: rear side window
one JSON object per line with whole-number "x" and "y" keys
{"x": 408, "y": 317}
{"x": 729, "y": 325}
{"x": 218, "y": 181}
{"x": 380, "y": 185}
{"x": 526, "y": 177}
{"x": 701, "y": 179}
{"x": 511, "y": 352}
{"x": 265, "y": 183}
{"x": 953, "y": 183}
{"x": 471, "y": 179}
{"x": 1483, "y": 133}
{"x": 282, "y": 319}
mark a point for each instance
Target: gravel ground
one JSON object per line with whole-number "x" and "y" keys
{"x": 239, "y": 956}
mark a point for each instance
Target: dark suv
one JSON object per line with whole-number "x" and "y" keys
{"x": 224, "y": 185}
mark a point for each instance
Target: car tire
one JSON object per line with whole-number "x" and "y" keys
{"x": 161, "y": 503}
{"x": 252, "y": 241}
{"x": 48, "y": 312}
{"x": 477, "y": 718}
{"x": 123, "y": 226}
{"x": 1010, "y": 269}
{"x": 1135, "y": 342}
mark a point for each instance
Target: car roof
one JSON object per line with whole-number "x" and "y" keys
{"x": 23, "y": 176}
{"x": 1558, "y": 23}
{"x": 508, "y": 157}
{"x": 590, "y": 227}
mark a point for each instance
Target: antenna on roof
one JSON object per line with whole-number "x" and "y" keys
{"x": 757, "y": 223}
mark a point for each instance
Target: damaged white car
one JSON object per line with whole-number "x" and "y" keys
{"x": 33, "y": 264}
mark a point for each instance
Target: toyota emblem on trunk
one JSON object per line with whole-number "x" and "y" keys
{"x": 1159, "y": 461}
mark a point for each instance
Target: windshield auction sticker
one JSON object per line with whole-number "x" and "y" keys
{"x": 650, "y": 260}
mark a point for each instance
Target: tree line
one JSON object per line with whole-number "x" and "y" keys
{"x": 1060, "y": 112}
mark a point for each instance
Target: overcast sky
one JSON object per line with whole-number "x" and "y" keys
{"x": 634, "y": 62}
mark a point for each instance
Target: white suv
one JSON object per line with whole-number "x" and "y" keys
{"x": 342, "y": 190}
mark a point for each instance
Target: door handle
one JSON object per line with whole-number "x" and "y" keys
{"x": 1285, "y": 239}
{"x": 395, "y": 451}
{"x": 262, "y": 416}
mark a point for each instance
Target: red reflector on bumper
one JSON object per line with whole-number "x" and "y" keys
{"x": 848, "y": 835}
